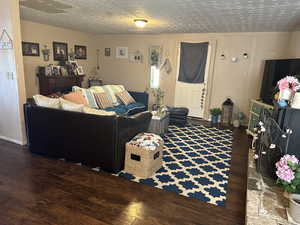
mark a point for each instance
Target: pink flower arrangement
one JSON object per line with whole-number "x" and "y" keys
{"x": 285, "y": 173}
{"x": 289, "y": 82}
{"x": 288, "y": 173}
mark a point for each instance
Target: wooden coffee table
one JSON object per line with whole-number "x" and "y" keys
{"x": 159, "y": 123}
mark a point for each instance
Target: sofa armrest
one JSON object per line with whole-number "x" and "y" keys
{"x": 140, "y": 121}
{"x": 142, "y": 97}
{"x": 129, "y": 127}
{"x": 134, "y": 124}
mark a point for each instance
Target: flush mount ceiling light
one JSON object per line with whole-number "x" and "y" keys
{"x": 140, "y": 22}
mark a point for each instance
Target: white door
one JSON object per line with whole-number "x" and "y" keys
{"x": 11, "y": 124}
{"x": 192, "y": 96}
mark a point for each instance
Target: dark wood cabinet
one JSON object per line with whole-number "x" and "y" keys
{"x": 52, "y": 84}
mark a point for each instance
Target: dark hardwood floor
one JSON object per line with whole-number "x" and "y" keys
{"x": 38, "y": 190}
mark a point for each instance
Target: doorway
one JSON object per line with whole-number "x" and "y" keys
{"x": 193, "y": 95}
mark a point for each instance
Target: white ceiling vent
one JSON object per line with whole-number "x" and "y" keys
{"x": 47, "y": 6}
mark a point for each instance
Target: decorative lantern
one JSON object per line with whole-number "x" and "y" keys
{"x": 227, "y": 108}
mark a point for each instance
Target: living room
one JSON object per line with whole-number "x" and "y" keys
{"x": 60, "y": 56}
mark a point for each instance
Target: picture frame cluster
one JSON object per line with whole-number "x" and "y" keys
{"x": 123, "y": 53}
{"x": 71, "y": 68}
{"x": 67, "y": 66}
{"x": 60, "y": 50}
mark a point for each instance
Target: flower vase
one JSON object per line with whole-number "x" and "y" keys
{"x": 286, "y": 94}
{"x": 294, "y": 207}
{"x": 296, "y": 101}
{"x": 214, "y": 119}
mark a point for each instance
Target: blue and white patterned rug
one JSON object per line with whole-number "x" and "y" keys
{"x": 196, "y": 163}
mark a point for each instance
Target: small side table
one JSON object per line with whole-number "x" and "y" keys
{"x": 159, "y": 123}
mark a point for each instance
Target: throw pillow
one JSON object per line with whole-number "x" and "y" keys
{"x": 70, "y": 106}
{"x": 111, "y": 90}
{"x": 125, "y": 97}
{"x": 98, "y": 112}
{"x": 88, "y": 94}
{"x": 44, "y": 101}
{"x": 76, "y": 97}
{"x": 103, "y": 100}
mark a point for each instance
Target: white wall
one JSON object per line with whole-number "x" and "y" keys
{"x": 45, "y": 35}
{"x": 12, "y": 89}
{"x": 241, "y": 81}
{"x": 294, "y": 45}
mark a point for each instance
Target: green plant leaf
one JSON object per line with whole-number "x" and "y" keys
{"x": 297, "y": 175}
{"x": 284, "y": 182}
{"x": 296, "y": 181}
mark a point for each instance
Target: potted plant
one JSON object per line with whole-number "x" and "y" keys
{"x": 287, "y": 86}
{"x": 287, "y": 171}
{"x": 159, "y": 94}
{"x": 215, "y": 114}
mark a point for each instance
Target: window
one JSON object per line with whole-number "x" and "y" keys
{"x": 154, "y": 79}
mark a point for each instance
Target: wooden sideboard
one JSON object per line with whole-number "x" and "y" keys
{"x": 52, "y": 84}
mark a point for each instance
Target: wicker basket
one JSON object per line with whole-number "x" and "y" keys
{"x": 142, "y": 162}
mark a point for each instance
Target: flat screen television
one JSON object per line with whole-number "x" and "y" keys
{"x": 273, "y": 72}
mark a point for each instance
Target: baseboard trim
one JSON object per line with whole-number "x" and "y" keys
{"x": 12, "y": 140}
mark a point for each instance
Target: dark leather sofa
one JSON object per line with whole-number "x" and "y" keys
{"x": 91, "y": 139}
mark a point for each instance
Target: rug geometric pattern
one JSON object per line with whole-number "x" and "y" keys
{"x": 196, "y": 163}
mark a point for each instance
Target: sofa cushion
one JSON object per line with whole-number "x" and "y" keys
{"x": 111, "y": 90}
{"x": 44, "y": 101}
{"x": 76, "y": 97}
{"x": 103, "y": 100}
{"x": 98, "y": 112}
{"x": 125, "y": 97}
{"x": 88, "y": 94}
{"x": 70, "y": 106}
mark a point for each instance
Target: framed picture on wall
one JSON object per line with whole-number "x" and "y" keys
{"x": 155, "y": 54}
{"x": 60, "y": 51}
{"x": 30, "y": 49}
{"x": 107, "y": 52}
{"x": 122, "y": 52}
{"x": 80, "y": 52}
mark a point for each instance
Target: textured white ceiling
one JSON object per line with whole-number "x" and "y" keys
{"x": 165, "y": 16}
